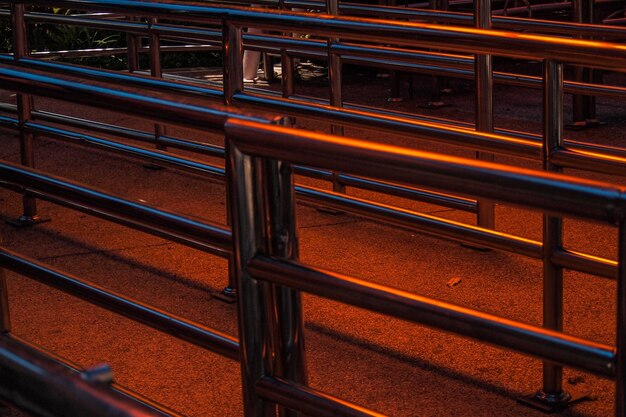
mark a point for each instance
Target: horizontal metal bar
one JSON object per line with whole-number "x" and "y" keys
{"x": 548, "y": 192}
{"x": 509, "y": 142}
{"x": 108, "y": 24}
{"x": 152, "y": 108}
{"x": 420, "y": 222}
{"x": 549, "y": 345}
{"x": 77, "y": 369}
{"x": 354, "y": 53}
{"x": 401, "y": 218}
{"x": 459, "y": 18}
{"x": 119, "y": 131}
{"x": 358, "y": 52}
{"x": 155, "y": 156}
{"x": 208, "y": 169}
{"x": 400, "y": 125}
{"x": 586, "y": 263}
{"x": 116, "y": 77}
{"x": 307, "y": 400}
{"x": 350, "y": 117}
{"x": 82, "y": 53}
{"x": 392, "y": 215}
{"x": 459, "y": 39}
{"x": 34, "y": 383}
{"x": 163, "y": 321}
{"x": 109, "y": 129}
{"x": 204, "y": 236}
{"x": 427, "y": 196}
{"x": 589, "y": 160}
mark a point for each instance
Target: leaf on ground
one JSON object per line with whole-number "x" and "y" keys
{"x": 454, "y": 282}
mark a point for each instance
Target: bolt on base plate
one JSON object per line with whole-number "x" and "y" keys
{"x": 227, "y": 295}
{"x": 27, "y": 221}
{"x": 552, "y": 403}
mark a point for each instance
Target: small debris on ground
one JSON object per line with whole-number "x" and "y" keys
{"x": 454, "y": 282}
{"x": 574, "y": 380}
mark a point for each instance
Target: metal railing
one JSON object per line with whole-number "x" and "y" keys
{"x": 33, "y": 185}
{"x": 264, "y": 234}
{"x": 46, "y": 388}
{"x": 523, "y": 145}
{"x": 552, "y": 149}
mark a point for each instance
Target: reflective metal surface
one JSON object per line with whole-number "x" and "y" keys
{"x": 263, "y": 247}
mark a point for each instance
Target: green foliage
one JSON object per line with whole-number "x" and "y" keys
{"x": 5, "y": 35}
{"x": 48, "y": 37}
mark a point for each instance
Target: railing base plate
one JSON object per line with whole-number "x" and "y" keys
{"x": 227, "y": 295}
{"x": 549, "y": 404}
{"x": 28, "y": 221}
{"x": 587, "y": 124}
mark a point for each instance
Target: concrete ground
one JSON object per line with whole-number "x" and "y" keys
{"x": 388, "y": 365}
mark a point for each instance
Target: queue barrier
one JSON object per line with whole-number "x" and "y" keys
{"x": 43, "y": 387}
{"x": 265, "y": 239}
{"x": 554, "y": 151}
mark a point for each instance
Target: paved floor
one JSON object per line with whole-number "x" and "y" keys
{"x": 386, "y": 364}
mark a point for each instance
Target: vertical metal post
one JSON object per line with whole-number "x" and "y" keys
{"x": 285, "y": 307}
{"x": 551, "y": 397}
{"x": 29, "y": 216}
{"x": 620, "y": 371}
{"x": 133, "y": 42}
{"x": 270, "y": 316}
{"x": 483, "y": 64}
{"x": 553, "y": 229}
{"x": 156, "y": 71}
{"x": 584, "y": 107}
{"x": 287, "y": 66}
{"x": 437, "y": 84}
{"x": 248, "y": 239}
{"x": 578, "y": 102}
{"x": 233, "y": 83}
{"x": 5, "y": 320}
{"x": 286, "y": 63}
{"x": 233, "y": 61}
{"x": 334, "y": 81}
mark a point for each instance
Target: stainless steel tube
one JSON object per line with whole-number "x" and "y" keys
{"x": 552, "y": 391}
{"x": 204, "y": 236}
{"x": 335, "y": 84}
{"x": 620, "y": 349}
{"x": 530, "y": 340}
{"x": 248, "y": 239}
{"x": 5, "y": 313}
{"x": 285, "y": 305}
{"x": 35, "y": 383}
{"x": 233, "y": 61}
{"x": 484, "y": 105}
{"x": 309, "y": 401}
{"x": 539, "y": 190}
{"x": 156, "y": 71}
{"x": 24, "y": 108}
